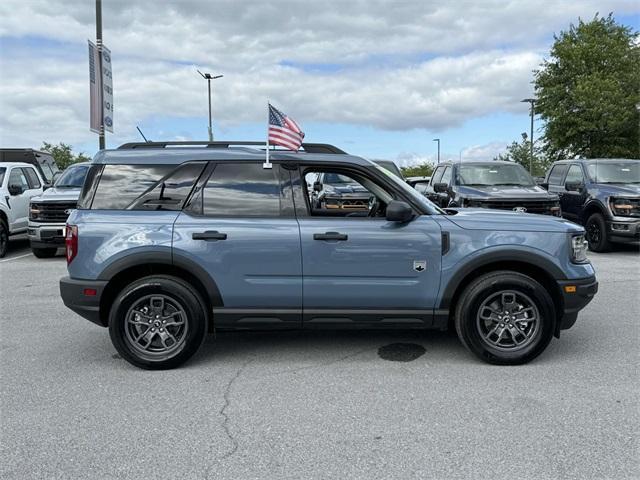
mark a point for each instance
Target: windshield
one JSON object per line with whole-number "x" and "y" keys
{"x": 410, "y": 192}
{"x": 72, "y": 177}
{"x": 614, "y": 172}
{"x": 494, "y": 175}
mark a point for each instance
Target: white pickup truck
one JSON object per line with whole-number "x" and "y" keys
{"x": 19, "y": 182}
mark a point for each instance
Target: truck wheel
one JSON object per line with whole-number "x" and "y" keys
{"x": 596, "y": 229}
{"x": 4, "y": 238}
{"x": 157, "y": 322}
{"x": 44, "y": 252}
{"x": 505, "y": 318}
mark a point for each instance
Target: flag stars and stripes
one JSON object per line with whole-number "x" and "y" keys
{"x": 284, "y": 131}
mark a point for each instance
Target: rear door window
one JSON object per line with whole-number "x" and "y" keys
{"x": 242, "y": 190}
{"x": 557, "y": 173}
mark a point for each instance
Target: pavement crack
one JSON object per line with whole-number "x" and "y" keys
{"x": 227, "y": 419}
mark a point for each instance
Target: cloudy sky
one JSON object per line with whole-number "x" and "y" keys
{"x": 378, "y": 78}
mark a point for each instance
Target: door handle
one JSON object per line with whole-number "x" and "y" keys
{"x": 341, "y": 237}
{"x": 212, "y": 235}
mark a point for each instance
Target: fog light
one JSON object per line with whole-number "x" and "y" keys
{"x": 620, "y": 227}
{"x": 570, "y": 288}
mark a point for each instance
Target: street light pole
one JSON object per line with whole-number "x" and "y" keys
{"x": 438, "y": 140}
{"x": 532, "y": 101}
{"x": 208, "y": 77}
{"x": 101, "y": 140}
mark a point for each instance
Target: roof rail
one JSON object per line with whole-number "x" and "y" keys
{"x": 308, "y": 147}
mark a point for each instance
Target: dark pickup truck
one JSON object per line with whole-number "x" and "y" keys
{"x": 492, "y": 184}
{"x": 601, "y": 194}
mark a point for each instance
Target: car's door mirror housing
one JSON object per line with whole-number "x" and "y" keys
{"x": 544, "y": 185}
{"x": 317, "y": 186}
{"x": 573, "y": 186}
{"x": 15, "y": 189}
{"x": 440, "y": 187}
{"x": 398, "y": 211}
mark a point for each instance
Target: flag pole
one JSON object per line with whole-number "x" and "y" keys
{"x": 267, "y": 163}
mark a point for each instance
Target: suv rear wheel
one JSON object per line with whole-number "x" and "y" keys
{"x": 596, "y": 229}
{"x": 505, "y": 318}
{"x": 4, "y": 238}
{"x": 158, "y": 322}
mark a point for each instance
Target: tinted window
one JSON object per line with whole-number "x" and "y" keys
{"x": 89, "y": 187}
{"x": 121, "y": 185}
{"x": 17, "y": 177}
{"x": 32, "y": 177}
{"x": 72, "y": 177}
{"x": 2, "y": 170}
{"x": 574, "y": 174}
{"x": 556, "y": 174}
{"x": 236, "y": 189}
{"x": 446, "y": 176}
{"x": 171, "y": 191}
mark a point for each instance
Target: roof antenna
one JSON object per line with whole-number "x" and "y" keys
{"x": 145, "y": 138}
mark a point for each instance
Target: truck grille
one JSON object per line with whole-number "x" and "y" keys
{"x": 544, "y": 208}
{"x": 51, "y": 212}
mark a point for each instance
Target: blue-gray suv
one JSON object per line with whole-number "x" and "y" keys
{"x": 168, "y": 244}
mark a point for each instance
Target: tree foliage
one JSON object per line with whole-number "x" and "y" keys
{"x": 589, "y": 91}
{"x": 422, "y": 170}
{"x": 520, "y": 152}
{"x": 63, "y": 154}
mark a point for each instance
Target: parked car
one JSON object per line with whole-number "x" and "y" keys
{"x": 601, "y": 194}
{"x": 19, "y": 182}
{"x": 494, "y": 184}
{"x": 334, "y": 191}
{"x": 168, "y": 244}
{"x": 48, "y": 212}
{"x": 42, "y": 161}
{"x": 421, "y": 184}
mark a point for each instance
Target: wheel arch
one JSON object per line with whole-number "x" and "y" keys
{"x": 591, "y": 208}
{"x": 128, "y": 269}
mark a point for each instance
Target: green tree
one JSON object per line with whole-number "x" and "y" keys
{"x": 63, "y": 154}
{"x": 520, "y": 152}
{"x": 422, "y": 170}
{"x": 589, "y": 91}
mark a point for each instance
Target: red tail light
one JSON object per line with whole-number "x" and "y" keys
{"x": 71, "y": 242}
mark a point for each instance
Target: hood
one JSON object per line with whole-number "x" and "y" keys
{"x": 624, "y": 189}
{"x": 54, "y": 194}
{"x": 532, "y": 192}
{"x": 343, "y": 188}
{"x": 484, "y": 219}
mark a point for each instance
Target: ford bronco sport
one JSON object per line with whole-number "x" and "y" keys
{"x": 168, "y": 244}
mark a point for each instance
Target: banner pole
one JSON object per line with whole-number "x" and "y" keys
{"x": 267, "y": 164}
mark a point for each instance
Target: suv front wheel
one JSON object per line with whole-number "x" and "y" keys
{"x": 158, "y": 322}
{"x": 505, "y": 318}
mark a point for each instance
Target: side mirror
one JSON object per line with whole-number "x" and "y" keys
{"x": 544, "y": 185}
{"x": 317, "y": 186}
{"x": 15, "y": 189}
{"x": 440, "y": 187}
{"x": 399, "y": 212}
{"x": 573, "y": 186}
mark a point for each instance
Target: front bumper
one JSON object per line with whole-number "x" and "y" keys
{"x": 623, "y": 229}
{"x": 46, "y": 235}
{"x": 78, "y": 296}
{"x": 576, "y": 294}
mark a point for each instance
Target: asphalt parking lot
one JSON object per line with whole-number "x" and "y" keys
{"x": 302, "y": 405}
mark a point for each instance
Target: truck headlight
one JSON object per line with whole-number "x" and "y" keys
{"x": 33, "y": 213}
{"x": 579, "y": 249}
{"x": 620, "y": 207}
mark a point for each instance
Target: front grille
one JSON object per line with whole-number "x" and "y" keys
{"x": 51, "y": 212}
{"x": 531, "y": 207}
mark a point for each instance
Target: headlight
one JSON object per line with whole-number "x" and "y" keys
{"x": 33, "y": 213}
{"x": 555, "y": 209}
{"x": 620, "y": 207}
{"x": 579, "y": 249}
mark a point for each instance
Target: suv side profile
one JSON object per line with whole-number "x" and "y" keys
{"x": 601, "y": 194}
{"x": 168, "y": 244}
{"x": 497, "y": 185}
{"x": 19, "y": 182}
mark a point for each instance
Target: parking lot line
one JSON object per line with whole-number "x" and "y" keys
{"x": 14, "y": 258}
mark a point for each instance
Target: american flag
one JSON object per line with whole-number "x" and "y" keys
{"x": 283, "y": 130}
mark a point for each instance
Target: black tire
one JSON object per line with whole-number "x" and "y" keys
{"x": 4, "y": 238}
{"x": 128, "y": 319}
{"x": 597, "y": 238}
{"x": 44, "y": 252}
{"x": 474, "y": 331}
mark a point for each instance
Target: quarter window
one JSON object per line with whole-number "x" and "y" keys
{"x": 556, "y": 174}
{"x": 121, "y": 185}
{"x": 243, "y": 190}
